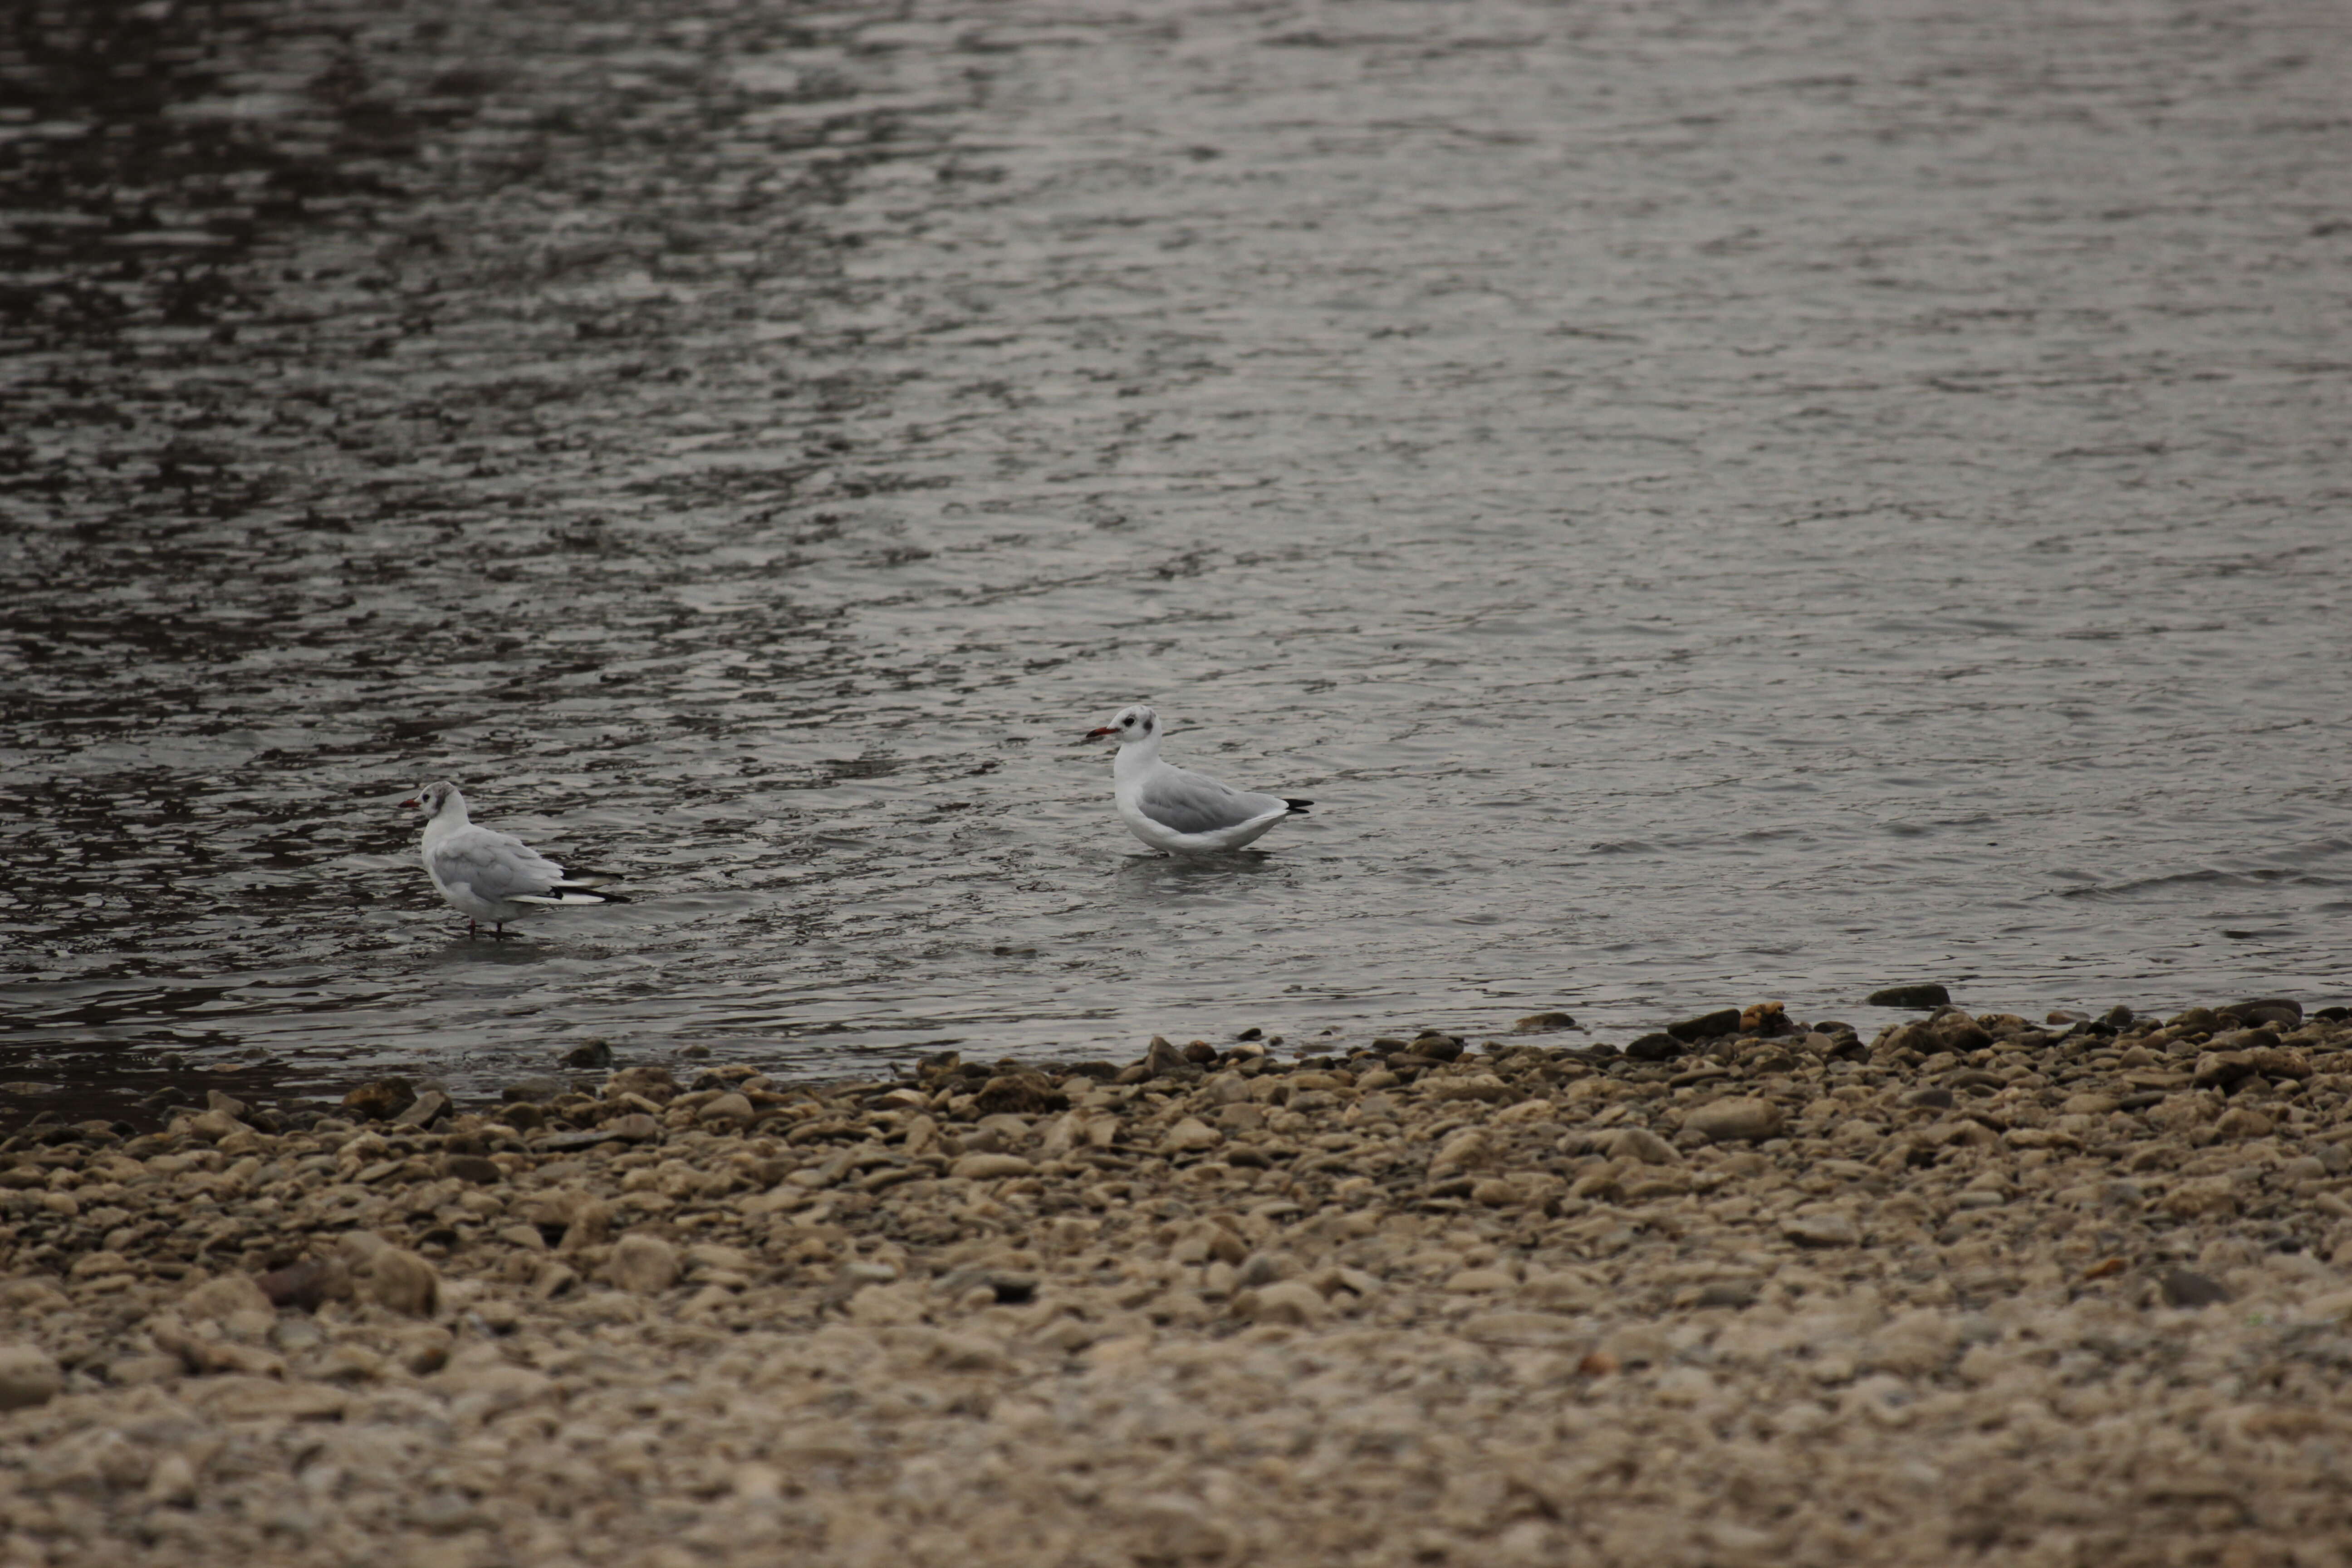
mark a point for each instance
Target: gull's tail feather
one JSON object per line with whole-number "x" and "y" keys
{"x": 563, "y": 893}
{"x": 1297, "y": 807}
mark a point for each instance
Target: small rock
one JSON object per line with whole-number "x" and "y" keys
{"x": 1022, "y": 1093}
{"x": 1543, "y": 1024}
{"x": 1162, "y": 1060}
{"x": 2240, "y": 1121}
{"x": 1292, "y": 1301}
{"x": 392, "y": 1277}
{"x": 307, "y": 1284}
{"x": 1178, "y": 1529}
{"x": 1921, "y": 997}
{"x": 1727, "y": 1121}
{"x": 594, "y": 1054}
{"x": 1823, "y": 1230}
{"x": 1706, "y": 1026}
{"x": 424, "y": 1110}
{"x": 2200, "y": 1196}
{"x": 2281, "y": 1011}
{"x": 1191, "y": 1134}
{"x": 2183, "y": 1287}
{"x": 1655, "y": 1048}
{"x": 650, "y": 1082}
{"x": 173, "y": 1482}
{"x": 644, "y": 1264}
{"x": 1639, "y": 1144}
{"x": 1481, "y": 1085}
{"x": 1480, "y": 1281}
{"x": 219, "y": 1299}
{"x": 991, "y": 1167}
{"x": 214, "y": 1125}
{"x": 29, "y": 1375}
{"x": 380, "y": 1100}
{"x": 479, "y": 1169}
{"x": 238, "y": 1397}
{"x": 1265, "y": 1268}
{"x": 731, "y": 1108}
{"x": 426, "y": 1350}
{"x": 636, "y": 1127}
{"x": 1496, "y": 1192}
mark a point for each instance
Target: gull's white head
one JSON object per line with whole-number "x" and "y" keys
{"x": 1133, "y": 724}
{"x": 432, "y": 798}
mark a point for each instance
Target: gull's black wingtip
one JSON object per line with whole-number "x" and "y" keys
{"x": 1297, "y": 807}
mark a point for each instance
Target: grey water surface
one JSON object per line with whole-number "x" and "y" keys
{"x": 1713, "y": 502}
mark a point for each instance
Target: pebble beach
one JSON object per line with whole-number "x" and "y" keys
{"x": 2066, "y": 1290}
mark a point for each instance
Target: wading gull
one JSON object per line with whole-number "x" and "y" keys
{"x": 489, "y": 876}
{"x": 1175, "y": 809}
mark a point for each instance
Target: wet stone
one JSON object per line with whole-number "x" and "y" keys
{"x": 424, "y": 1110}
{"x": 1706, "y": 1026}
{"x": 1657, "y": 1047}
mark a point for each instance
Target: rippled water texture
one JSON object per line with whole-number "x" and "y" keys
{"x": 1712, "y": 501}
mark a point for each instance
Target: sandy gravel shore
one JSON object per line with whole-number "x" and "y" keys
{"x": 2064, "y": 1292}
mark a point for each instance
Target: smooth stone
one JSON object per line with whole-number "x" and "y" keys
{"x": 1190, "y": 1134}
{"x": 1821, "y": 1230}
{"x": 392, "y": 1277}
{"x": 1639, "y": 1144}
{"x": 644, "y": 1264}
{"x": 730, "y": 1107}
{"x": 2184, "y": 1288}
{"x": 424, "y": 1110}
{"x": 1706, "y": 1026}
{"x": 1543, "y": 1024}
{"x": 1291, "y": 1301}
{"x": 29, "y": 1375}
{"x": 991, "y": 1167}
{"x": 1918, "y": 997}
{"x": 1735, "y": 1120}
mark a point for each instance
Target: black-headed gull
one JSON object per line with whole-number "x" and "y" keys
{"x": 490, "y": 876}
{"x": 1178, "y": 810}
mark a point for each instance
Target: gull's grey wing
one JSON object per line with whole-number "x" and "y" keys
{"x": 495, "y": 864}
{"x": 1185, "y": 802}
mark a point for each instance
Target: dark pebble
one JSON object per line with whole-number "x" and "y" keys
{"x": 2181, "y": 1288}
{"x": 1927, "y": 995}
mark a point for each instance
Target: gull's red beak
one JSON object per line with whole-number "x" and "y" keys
{"x": 1095, "y": 734}
{"x": 413, "y": 800}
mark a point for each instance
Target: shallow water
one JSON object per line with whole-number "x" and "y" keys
{"x": 1712, "y": 503}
